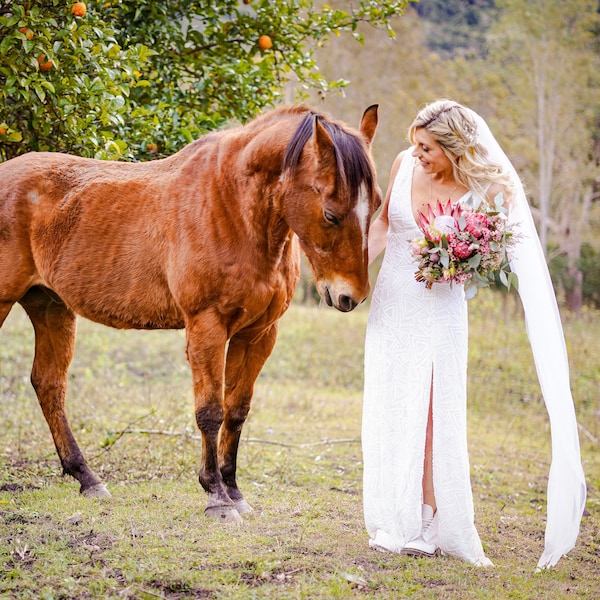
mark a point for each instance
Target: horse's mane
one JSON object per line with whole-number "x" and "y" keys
{"x": 353, "y": 163}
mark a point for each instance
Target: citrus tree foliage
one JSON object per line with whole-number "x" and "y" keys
{"x": 139, "y": 78}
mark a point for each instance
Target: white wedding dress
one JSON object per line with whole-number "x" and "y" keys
{"x": 415, "y": 336}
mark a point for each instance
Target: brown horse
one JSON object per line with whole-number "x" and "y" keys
{"x": 204, "y": 240}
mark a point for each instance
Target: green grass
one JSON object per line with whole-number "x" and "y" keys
{"x": 299, "y": 466}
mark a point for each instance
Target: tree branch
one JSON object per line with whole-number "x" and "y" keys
{"x": 324, "y": 442}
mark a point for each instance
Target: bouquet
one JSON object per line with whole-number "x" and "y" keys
{"x": 465, "y": 245}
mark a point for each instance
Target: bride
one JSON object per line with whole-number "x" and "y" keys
{"x": 416, "y": 483}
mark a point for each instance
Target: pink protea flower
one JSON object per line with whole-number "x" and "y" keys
{"x": 476, "y": 224}
{"x": 462, "y": 249}
{"x": 439, "y": 221}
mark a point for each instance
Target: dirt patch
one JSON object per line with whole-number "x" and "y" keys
{"x": 92, "y": 541}
{"x": 18, "y": 487}
{"x": 173, "y": 590}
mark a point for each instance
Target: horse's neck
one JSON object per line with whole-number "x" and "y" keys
{"x": 248, "y": 169}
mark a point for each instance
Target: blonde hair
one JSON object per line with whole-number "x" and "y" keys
{"x": 451, "y": 125}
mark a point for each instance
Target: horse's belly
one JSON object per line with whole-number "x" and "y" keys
{"x": 134, "y": 298}
{"x": 124, "y": 312}
{"x": 132, "y": 319}
{"x": 111, "y": 274}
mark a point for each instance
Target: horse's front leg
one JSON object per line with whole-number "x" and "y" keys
{"x": 206, "y": 340}
{"x": 245, "y": 359}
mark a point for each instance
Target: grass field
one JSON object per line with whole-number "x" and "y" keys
{"x": 299, "y": 466}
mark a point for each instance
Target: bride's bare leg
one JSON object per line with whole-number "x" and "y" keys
{"x": 428, "y": 492}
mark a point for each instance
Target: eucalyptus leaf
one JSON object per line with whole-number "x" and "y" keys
{"x": 474, "y": 261}
{"x": 470, "y": 291}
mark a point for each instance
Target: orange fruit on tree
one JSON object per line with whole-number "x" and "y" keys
{"x": 79, "y": 9}
{"x": 2, "y": 130}
{"x": 45, "y": 65}
{"x": 28, "y": 33}
{"x": 265, "y": 42}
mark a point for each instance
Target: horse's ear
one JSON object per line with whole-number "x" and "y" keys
{"x": 323, "y": 143}
{"x": 368, "y": 123}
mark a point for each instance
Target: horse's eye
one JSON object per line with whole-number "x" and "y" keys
{"x": 331, "y": 218}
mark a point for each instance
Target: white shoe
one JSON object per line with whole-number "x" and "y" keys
{"x": 483, "y": 562}
{"x": 419, "y": 546}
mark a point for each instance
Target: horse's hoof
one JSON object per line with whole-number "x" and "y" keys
{"x": 243, "y": 507}
{"x": 226, "y": 514}
{"x": 96, "y": 491}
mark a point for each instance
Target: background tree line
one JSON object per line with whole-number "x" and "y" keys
{"x": 135, "y": 80}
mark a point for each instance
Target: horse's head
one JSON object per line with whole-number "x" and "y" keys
{"x": 330, "y": 195}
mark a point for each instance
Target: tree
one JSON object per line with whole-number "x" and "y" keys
{"x": 64, "y": 80}
{"x": 138, "y": 78}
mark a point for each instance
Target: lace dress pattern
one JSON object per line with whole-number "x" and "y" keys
{"x": 416, "y": 340}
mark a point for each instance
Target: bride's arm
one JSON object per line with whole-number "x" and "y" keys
{"x": 379, "y": 227}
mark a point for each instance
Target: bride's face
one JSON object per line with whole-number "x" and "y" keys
{"x": 430, "y": 153}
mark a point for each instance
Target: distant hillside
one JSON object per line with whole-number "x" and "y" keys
{"x": 456, "y": 27}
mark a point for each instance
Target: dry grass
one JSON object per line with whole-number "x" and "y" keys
{"x": 299, "y": 465}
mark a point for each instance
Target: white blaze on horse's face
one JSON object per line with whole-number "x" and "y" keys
{"x": 362, "y": 209}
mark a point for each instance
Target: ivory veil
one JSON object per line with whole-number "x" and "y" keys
{"x": 566, "y": 484}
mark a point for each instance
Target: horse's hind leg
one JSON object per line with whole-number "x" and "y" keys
{"x": 245, "y": 359}
{"x": 54, "y": 326}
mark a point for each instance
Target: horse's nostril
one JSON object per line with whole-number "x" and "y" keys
{"x": 347, "y": 304}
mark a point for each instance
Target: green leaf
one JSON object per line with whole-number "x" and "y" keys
{"x": 5, "y": 44}
{"x": 470, "y": 291}
{"x": 503, "y": 277}
{"x": 40, "y": 93}
{"x": 474, "y": 261}
{"x": 444, "y": 259}
{"x": 14, "y": 136}
{"x": 48, "y": 85}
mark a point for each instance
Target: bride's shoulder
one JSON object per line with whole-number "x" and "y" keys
{"x": 404, "y": 155}
{"x": 403, "y": 158}
{"x": 495, "y": 190}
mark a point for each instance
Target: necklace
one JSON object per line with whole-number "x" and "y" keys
{"x": 431, "y": 190}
